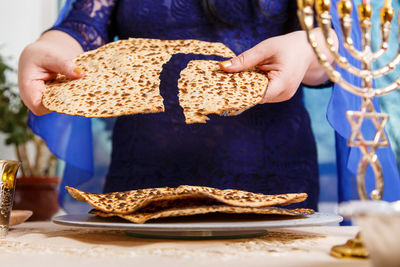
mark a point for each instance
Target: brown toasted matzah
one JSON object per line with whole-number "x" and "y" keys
{"x": 143, "y": 215}
{"x": 241, "y": 198}
{"x": 188, "y": 46}
{"x": 192, "y": 206}
{"x": 205, "y": 89}
{"x": 118, "y": 80}
{"x": 130, "y": 201}
{"x": 121, "y": 77}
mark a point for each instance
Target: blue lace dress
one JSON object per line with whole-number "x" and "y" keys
{"x": 269, "y": 148}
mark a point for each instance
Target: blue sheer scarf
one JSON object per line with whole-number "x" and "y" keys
{"x": 70, "y": 139}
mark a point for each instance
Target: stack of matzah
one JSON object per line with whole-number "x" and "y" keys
{"x": 139, "y": 206}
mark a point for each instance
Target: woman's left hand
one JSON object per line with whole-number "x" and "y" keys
{"x": 289, "y": 60}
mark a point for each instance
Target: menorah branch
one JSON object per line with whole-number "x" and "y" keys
{"x": 346, "y": 25}
{"x": 307, "y": 20}
{"x": 388, "y": 89}
{"x": 386, "y": 29}
{"x": 391, "y": 66}
{"x": 324, "y": 22}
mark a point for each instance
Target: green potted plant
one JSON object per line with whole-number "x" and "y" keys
{"x": 37, "y": 184}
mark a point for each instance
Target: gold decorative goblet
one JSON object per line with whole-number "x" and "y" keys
{"x": 8, "y": 172}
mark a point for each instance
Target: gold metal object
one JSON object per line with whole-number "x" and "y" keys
{"x": 8, "y": 172}
{"x": 366, "y": 92}
{"x": 305, "y": 3}
{"x": 353, "y": 248}
{"x": 365, "y": 11}
{"x": 322, "y": 6}
{"x": 386, "y": 14}
{"x": 344, "y": 8}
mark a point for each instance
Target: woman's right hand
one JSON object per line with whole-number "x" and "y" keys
{"x": 42, "y": 60}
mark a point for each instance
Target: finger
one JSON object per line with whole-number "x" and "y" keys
{"x": 43, "y": 75}
{"x": 34, "y": 100}
{"x": 247, "y": 59}
{"x": 37, "y": 98}
{"x": 62, "y": 66}
{"x": 279, "y": 89}
{"x": 40, "y": 110}
{"x": 269, "y": 67}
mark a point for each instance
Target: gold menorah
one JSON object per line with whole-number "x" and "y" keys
{"x": 366, "y": 56}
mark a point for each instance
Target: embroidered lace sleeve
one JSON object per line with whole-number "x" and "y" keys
{"x": 89, "y": 22}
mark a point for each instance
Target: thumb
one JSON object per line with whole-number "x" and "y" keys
{"x": 250, "y": 58}
{"x": 62, "y": 66}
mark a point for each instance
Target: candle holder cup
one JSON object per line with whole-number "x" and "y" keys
{"x": 8, "y": 172}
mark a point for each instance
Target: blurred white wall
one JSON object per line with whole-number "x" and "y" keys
{"x": 22, "y": 22}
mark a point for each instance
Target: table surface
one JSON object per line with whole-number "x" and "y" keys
{"x": 47, "y": 244}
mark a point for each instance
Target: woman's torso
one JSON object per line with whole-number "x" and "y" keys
{"x": 268, "y": 149}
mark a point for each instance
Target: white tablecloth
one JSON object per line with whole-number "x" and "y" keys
{"x": 46, "y": 244}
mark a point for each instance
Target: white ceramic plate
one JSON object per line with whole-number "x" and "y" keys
{"x": 209, "y": 226}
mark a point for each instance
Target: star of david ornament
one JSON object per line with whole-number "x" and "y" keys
{"x": 356, "y": 119}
